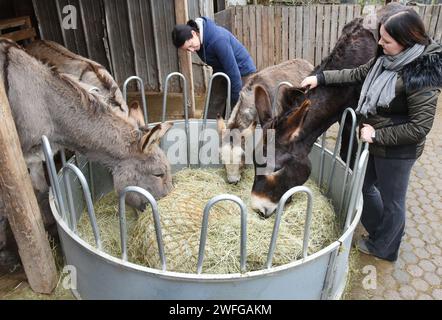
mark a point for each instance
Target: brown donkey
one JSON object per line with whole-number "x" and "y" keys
{"x": 355, "y": 47}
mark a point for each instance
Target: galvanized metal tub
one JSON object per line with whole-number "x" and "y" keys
{"x": 319, "y": 276}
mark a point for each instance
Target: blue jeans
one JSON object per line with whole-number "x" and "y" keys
{"x": 383, "y": 214}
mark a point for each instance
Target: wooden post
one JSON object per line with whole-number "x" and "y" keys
{"x": 185, "y": 58}
{"x": 22, "y": 208}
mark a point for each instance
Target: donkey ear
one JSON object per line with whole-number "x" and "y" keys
{"x": 262, "y": 104}
{"x": 153, "y": 136}
{"x": 136, "y": 113}
{"x": 296, "y": 119}
{"x": 220, "y": 124}
{"x": 250, "y": 129}
{"x": 290, "y": 97}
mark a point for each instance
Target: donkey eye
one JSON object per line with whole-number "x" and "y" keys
{"x": 159, "y": 175}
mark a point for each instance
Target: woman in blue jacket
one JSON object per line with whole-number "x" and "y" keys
{"x": 218, "y": 48}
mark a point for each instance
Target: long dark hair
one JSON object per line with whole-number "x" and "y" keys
{"x": 183, "y": 32}
{"x": 407, "y": 28}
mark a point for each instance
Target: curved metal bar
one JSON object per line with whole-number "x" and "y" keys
{"x": 186, "y": 114}
{"x": 348, "y": 159}
{"x": 351, "y": 185}
{"x": 90, "y": 174}
{"x": 143, "y": 96}
{"x": 275, "y": 97}
{"x": 321, "y": 159}
{"x": 280, "y": 210}
{"x": 355, "y": 193}
{"x": 91, "y": 180}
{"x": 353, "y": 176}
{"x": 49, "y": 156}
{"x": 88, "y": 198}
{"x": 156, "y": 218}
{"x": 209, "y": 91}
{"x": 67, "y": 184}
{"x": 207, "y": 102}
{"x": 337, "y": 146}
{"x": 203, "y": 238}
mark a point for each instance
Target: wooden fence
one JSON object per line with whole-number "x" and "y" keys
{"x": 273, "y": 34}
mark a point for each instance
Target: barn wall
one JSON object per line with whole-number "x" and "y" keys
{"x": 129, "y": 37}
{"x": 132, "y": 37}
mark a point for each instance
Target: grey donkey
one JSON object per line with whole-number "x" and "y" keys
{"x": 89, "y": 74}
{"x": 45, "y": 102}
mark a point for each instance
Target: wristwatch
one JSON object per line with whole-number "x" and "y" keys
{"x": 373, "y": 135}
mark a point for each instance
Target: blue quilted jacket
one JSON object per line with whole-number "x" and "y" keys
{"x": 224, "y": 53}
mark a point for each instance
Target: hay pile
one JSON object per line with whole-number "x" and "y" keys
{"x": 106, "y": 211}
{"x": 181, "y": 218}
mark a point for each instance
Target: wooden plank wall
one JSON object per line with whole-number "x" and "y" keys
{"x": 132, "y": 37}
{"x": 87, "y": 39}
{"x": 128, "y": 37}
{"x": 432, "y": 17}
{"x": 48, "y": 23}
{"x": 277, "y": 33}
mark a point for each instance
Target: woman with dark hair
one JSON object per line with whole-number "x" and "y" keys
{"x": 220, "y": 49}
{"x": 397, "y": 107}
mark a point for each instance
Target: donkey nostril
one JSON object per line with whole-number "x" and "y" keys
{"x": 233, "y": 180}
{"x": 142, "y": 207}
{"x": 261, "y": 213}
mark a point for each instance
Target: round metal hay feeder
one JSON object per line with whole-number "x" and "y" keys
{"x": 321, "y": 275}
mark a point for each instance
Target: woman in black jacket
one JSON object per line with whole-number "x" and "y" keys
{"x": 397, "y": 103}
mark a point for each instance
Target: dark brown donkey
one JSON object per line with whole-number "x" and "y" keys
{"x": 297, "y": 130}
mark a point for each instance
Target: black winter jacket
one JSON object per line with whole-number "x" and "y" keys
{"x": 402, "y": 127}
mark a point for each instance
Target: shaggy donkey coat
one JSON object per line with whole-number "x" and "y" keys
{"x": 45, "y": 102}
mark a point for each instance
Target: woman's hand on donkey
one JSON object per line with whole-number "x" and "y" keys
{"x": 310, "y": 82}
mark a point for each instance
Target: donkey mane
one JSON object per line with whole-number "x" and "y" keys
{"x": 89, "y": 101}
{"x": 8, "y": 46}
{"x": 91, "y": 66}
{"x": 11, "y": 43}
{"x": 85, "y": 96}
{"x": 351, "y": 32}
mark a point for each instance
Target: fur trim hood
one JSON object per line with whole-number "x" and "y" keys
{"x": 425, "y": 71}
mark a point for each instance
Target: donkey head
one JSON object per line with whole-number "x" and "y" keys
{"x": 239, "y": 126}
{"x": 148, "y": 168}
{"x": 288, "y": 168}
{"x": 232, "y": 148}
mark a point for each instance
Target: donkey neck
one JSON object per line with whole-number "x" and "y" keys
{"x": 83, "y": 124}
{"x": 355, "y": 47}
{"x": 328, "y": 104}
